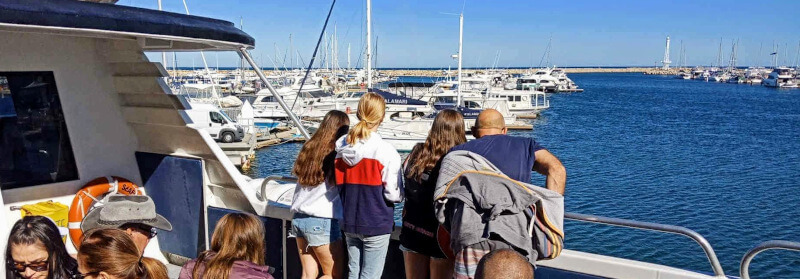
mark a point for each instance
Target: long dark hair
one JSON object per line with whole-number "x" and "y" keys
{"x": 40, "y": 230}
{"x": 112, "y": 251}
{"x": 237, "y": 237}
{"x": 447, "y": 131}
{"x": 317, "y": 154}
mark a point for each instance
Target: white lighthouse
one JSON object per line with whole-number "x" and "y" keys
{"x": 666, "y": 61}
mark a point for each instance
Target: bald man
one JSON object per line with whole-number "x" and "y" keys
{"x": 516, "y": 157}
{"x": 504, "y": 263}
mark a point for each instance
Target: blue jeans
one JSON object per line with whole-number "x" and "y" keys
{"x": 367, "y": 255}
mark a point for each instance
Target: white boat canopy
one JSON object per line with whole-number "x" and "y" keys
{"x": 155, "y": 30}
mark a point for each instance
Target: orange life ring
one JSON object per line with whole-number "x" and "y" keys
{"x": 94, "y": 191}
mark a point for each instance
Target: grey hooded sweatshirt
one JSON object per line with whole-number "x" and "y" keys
{"x": 493, "y": 205}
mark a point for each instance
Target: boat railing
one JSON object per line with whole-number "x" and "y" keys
{"x": 744, "y": 266}
{"x": 276, "y": 178}
{"x": 699, "y": 239}
{"x": 233, "y": 113}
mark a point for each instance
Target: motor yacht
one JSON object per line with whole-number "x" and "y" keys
{"x": 700, "y": 74}
{"x": 781, "y": 77}
{"x": 683, "y": 75}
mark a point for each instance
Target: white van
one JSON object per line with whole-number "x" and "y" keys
{"x": 208, "y": 117}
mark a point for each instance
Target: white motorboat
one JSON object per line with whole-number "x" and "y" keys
{"x": 542, "y": 80}
{"x": 700, "y": 74}
{"x": 522, "y": 102}
{"x": 719, "y": 76}
{"x": 683, "y": 75}
{"x": 563, "y": 83}
{"x": 781, "y": 77}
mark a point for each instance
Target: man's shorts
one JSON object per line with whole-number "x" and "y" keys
{"x": 317, "y": 231}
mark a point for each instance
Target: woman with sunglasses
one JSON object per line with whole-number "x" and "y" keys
{"x": 112, "y": 254}
{"x": 36, "y": 250}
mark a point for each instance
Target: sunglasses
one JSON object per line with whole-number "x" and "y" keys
{"x": 37, "y": 266}
{"x": 149, "y": 231}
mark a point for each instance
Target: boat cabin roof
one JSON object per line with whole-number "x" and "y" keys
{"x": 157, "y": 30}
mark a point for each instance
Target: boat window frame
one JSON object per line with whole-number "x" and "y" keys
{"x": 37, "y": 138}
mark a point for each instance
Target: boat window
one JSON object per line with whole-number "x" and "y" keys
{"x": 34, "y": 143}
{"x": 471, "y": 104}
{"x": 517, "y": 98}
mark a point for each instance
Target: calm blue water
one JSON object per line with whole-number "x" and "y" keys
{"x": 721, "y": 159}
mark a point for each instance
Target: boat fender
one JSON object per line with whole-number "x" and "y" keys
{"x": 347, "y": 110}
{"x": 93, "y": 192}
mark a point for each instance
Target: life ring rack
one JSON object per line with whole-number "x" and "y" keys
{"x": 92, "y": 193}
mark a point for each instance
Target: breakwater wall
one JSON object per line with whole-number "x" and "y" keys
{"x": 440, "y": 73}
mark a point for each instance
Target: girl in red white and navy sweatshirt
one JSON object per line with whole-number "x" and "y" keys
{"x": 367, "y": 170}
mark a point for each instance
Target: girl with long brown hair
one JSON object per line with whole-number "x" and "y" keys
{"x": 316, "y": 205}
{"x": 424, "y": 257}
{"x": 237, "y": 251}
{"x": 368, "y": 170}
{"x": 111, "y": 254}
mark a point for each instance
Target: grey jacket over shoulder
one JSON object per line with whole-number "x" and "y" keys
{"x": 493, "y": 205}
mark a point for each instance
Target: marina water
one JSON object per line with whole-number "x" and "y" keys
{"x": 720, "y": 159}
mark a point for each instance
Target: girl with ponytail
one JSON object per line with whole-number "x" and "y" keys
{"x": 111, "y": 254}
{"x": 371, "y": 109}
{"x": 237, "y": 251}
{"x": 367, "y": 170}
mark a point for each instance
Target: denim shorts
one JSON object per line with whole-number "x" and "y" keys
{"x": 317, "y": 231}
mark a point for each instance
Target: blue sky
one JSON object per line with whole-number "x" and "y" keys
{"x": 414, "y": 33}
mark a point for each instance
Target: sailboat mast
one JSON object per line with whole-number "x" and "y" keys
{"x": 203, "y": 55}
{"x": 163, "y": 54}
{"x": 719, "y": 54}
{"x": 460, "y": 54}
{"x": 797, "y": 56}
{"x": 291, "y": 52}
{"x": 369, "y": 43}
{"x": 241, "y": 59}
{"x": 348, "y": 56}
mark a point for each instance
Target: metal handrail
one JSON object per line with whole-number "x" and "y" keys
{"x": 744, "y": 271}
{"x": 280, "y": 178}
{"x": 699, "y": 239}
